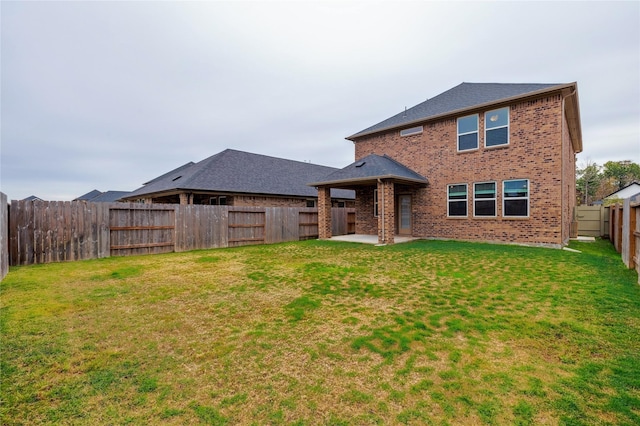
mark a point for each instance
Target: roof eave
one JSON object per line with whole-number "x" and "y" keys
{"x": 573, "y": 118}
{"x": 368, "y": 179}
{"x": 460, "y": 111}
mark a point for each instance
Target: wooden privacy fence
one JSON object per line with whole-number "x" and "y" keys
{"x": 54, "y": 231}
{"x": 624, "y": 231}
{"x": 4, "y": 236}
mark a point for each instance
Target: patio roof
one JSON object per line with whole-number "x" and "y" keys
{"x": 368, "y": 170}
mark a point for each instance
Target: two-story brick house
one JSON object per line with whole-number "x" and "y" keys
{"x": 482, "y": 162}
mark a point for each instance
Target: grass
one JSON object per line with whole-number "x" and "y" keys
{"x": 306, "y": 333}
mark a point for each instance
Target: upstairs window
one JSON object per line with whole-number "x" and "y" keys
{"x": 468, "y": 132}
{"x": 457, "y": 200}
{"x": 311, "y": 203}
{"x": 411, "y": 131}
{"x": 484, "y": 199}
{"x": 496, "y": 125}
{"x": 515, "y": 198}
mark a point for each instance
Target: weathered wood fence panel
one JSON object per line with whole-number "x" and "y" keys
{"x": 141, "y": 229}
{"x": 201, "y": 227}
{"x": 625, "y": 231}
{"x": 55, "y": 231}
{"x": 50, "y": 231}
{"x": 4, "y": 236}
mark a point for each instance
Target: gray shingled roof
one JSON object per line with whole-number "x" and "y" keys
{"x": 96, "y": 196}
{"x": 88, "y": 196}
{"x": 234, "y": 171}
{"x": 110, "y": 196}
{"x": 369, "y": 169}
{"x": 462, "y": 97}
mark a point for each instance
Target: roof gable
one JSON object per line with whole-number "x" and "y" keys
{"x": 458, "y": 99}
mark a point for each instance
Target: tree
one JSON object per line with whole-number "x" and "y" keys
{"x": 621, "y": 172}
{"x": 588, "y": 181}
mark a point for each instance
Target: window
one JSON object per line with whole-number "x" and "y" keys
{"x": 468, "y": 132}
{"x": 484, "y": 199}
{"x": 311, "y": 203}
{"x": 457, "y": 200}
{"x": 412, "y": 131}
{"x": 515, "y": 198}
{"x": 375, "y": 202}
{"x": 496, "y": 124}
{"x": 341, "y": 204}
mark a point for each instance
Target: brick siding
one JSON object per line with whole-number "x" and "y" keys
{"x": 538, "y": 143}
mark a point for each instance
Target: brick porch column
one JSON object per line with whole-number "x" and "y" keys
{"x": 386, "y": 212}
{"x": 324, "y": 213}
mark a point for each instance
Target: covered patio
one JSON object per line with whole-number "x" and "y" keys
{"x": 381, "y": 214}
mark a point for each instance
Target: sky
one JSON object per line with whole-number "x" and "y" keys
{"x": 109, "y": 95}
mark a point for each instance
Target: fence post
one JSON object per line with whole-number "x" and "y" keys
{"x": 4, "y": 236}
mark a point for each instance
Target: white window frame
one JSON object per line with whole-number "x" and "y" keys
{"x": 494, "y": 199}
{"x": 466, "y": 200}
{"x": 375, "y": 202}
{"x": 487, "y": 119}
{"x": 412, "y": 131}
{"x": 477, "y": 132}
{"x": 312, "y": 202}
{"x": 505, "y": 199}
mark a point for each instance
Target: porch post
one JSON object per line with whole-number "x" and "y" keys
{"x": 324, "y": 212}
{"x": 386, "y": 212}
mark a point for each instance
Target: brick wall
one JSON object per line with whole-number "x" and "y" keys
{"x": 535, "y": 152}
{"x": 260, "y": 201}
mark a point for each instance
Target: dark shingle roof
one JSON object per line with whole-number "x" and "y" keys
{"x": 96, "y": 196}
{"x": 243, "y": 172}
{"x": 369, "y": 169}
{"x": 459, "y": 98}
{"x": 110, "y": 196}
{"x": 88, "y": 196}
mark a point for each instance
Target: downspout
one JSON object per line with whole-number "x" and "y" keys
{"x": 384, "y": 241}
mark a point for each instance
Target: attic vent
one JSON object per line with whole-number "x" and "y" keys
{"x": 411, "y": 131}
{"x": 176, "y": 178}
{"x": 360, "y": 164}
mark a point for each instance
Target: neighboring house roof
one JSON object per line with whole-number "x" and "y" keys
{"x": 96, "y": 196}
{"x": 32, "y": 198}
{"x": 89, "y": 195}
{"x": 369, "y": 169}
{"x": 232, "y": 171}
{"x": 467, "y": 96}
{"x": 625, "y": 192}
{"x": 172, "y": 172}
{"x": 110, "y": 196}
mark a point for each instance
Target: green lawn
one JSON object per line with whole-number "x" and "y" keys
{"x": 315, "y": 332}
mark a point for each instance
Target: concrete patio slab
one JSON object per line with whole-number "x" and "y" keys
{"x": 369, "y": 239}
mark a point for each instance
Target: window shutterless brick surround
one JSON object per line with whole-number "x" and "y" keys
{"x": 539, "y": 150}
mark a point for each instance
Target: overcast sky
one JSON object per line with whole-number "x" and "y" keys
{"x": 108, "y": 95}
